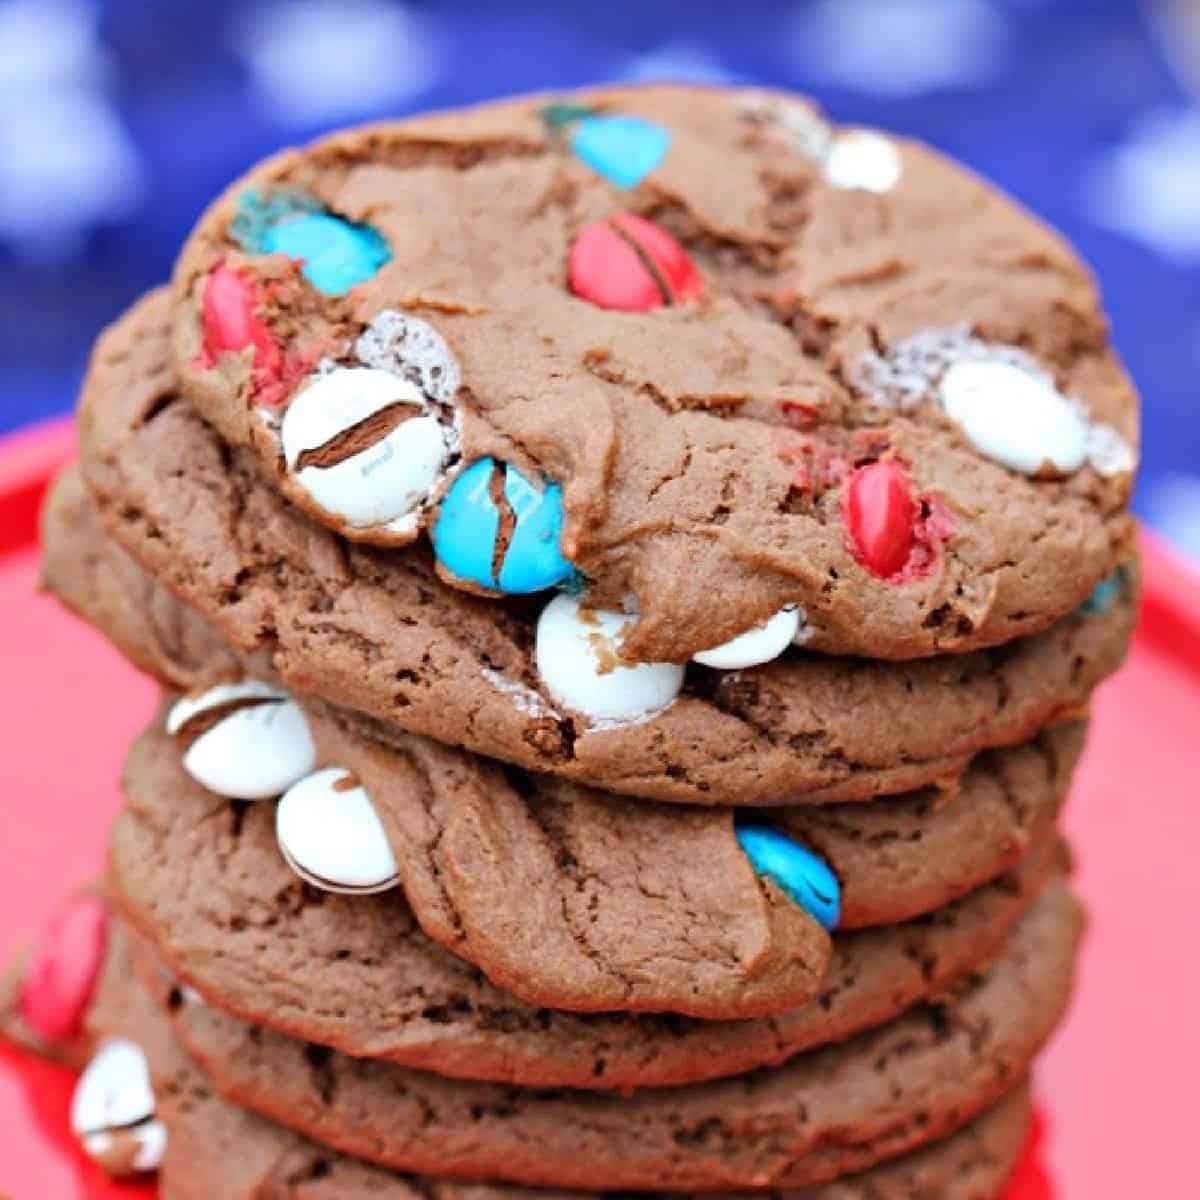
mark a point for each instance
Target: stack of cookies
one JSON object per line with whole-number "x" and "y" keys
{"x": 627, "y": 575}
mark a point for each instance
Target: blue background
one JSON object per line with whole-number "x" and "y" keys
{"x": 120, "y": 120}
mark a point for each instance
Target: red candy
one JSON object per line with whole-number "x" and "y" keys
{"x": 630, "y": 264}
{"x": 230, "y": 324}
{"x": 880, "y": 515}
{"x": 62, "y": 970}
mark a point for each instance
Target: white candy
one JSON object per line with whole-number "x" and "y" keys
{"x": 383, "y": 486}
{"x": 1108, "y": 452}
{"x": 333, "y": 838}
{"x": 112, "y": 1110}
{"x": 863, "y": 160}
{"x": 1015, "y": 418}
{"x": 758, "y": 645}
{"x": 255, "y": 752}
{"x": 575, "y": 652}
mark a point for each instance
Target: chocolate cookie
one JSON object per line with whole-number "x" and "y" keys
{"x": 226, "y": 1151}
{"x": 823, "y": 1114}
{"x": 202, "y": 878}
{"x": 378, "y": 633}
{"x": 216, "y": 1149}
{"x": 741, "y": 367}
{"x": 894, "y": 859}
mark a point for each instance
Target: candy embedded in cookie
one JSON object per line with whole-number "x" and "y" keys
{"x": 367, "y": 448}
{"x": 577, "y": 652}
{"x": 803, "y": 875}
{"x": 60, "y": 975}
{"x": 330, "y": 834}
{"x": 632, "y": 265}
{"x": 758, "y": 645}
{"x": 336, "y": 254}
{"x": 622, "y": 148}
{"x": 246, "y": 741}
{"x": 500, "y": 532}
{"x": 113, "y": 1112}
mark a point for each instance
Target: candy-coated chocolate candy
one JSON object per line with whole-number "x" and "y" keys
{"x": 624, "y": 149}
{"x": 337, "y": 254}
{"x": 252, "y": 740}
{"x": 880, "y": 516}
{"x": 331, "y": 836}
{"x": 631, "y": 264}
{"x": 63, "y": 967}
{"x": 1105, "y": 594}
{"x": 863, "y": 160}
{"x": 758, "y": 645}
{"x": 576, "y": 652}
{"x": 113, "y": 1111}
{"x": 367, "y": 447}
{"x": 514, "y": 551}
{"x": 803, "y": 875}
{"x": 1016, "y": 418}
{"x": 230, "y": 325}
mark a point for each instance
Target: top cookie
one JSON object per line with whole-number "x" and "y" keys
{"x": 697, "y": 355}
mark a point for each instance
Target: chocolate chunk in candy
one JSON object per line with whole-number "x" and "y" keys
{"x": 336, "y": 254}
{"x": 622, "y": 148}
{"x": 247, "y": 740}
{"x": 330, "y": 834}
{"x": 62, "y": 970}
{"x": 113, "y": 1111}
{"x": 631, "y": 264}
{"x": 577, "y": 655}
{"x": 367, "y": 448}
{"x": 758, "y": 645}
{"x": 500, "y": 532}
{"x": 801, "y": 874}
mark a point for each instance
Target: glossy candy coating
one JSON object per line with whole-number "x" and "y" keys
{"x": 337, "y": 254}
{"x": 803, "y": 875}
{"x": 863, "y": 160}
{"x": 464, "y": 537}
{"x": 1016, "y": 418}
{"x": 113, "y": 1111}
{"x": 330, "y": 835}
{"x": 880, "y": 515}
{"x": 1105, "y": 594}
{"x": 624, "y": 149}
{"x": 632, "y": 265}
{"x": 576, "y": 652}
{"x": 756, "y": 646}
{"x": 383, "y": 483}
{"x": 61, "y": 973}
{"x": 253, "y": 753}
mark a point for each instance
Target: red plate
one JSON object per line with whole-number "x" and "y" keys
{"x": 1116, "y": 1090}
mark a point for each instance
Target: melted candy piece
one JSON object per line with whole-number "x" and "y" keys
{"x": 880, "y": 516}
{"x": 62, "y": 969}
{"x": 632, "y": 265}
{"x": 499, "y": 531}
{"x": 801, "y": 874}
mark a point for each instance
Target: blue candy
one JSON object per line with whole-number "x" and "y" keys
{"x": 337, "y": 254}
{"x": 622, "y": 149}
{"x": 1105, "y": 594}
{"x": 464, "y": 537}
{"x": 803, "y": 875}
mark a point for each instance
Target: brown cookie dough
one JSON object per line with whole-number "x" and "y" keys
{"x": 706, "y": 449}
{"x": 377, "y": 632}
{"x": 216, "y": 1149}
{"x": 574, "y": 899}
{"x": 204, "y": 881}
{"x": 824, "y": 1114}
